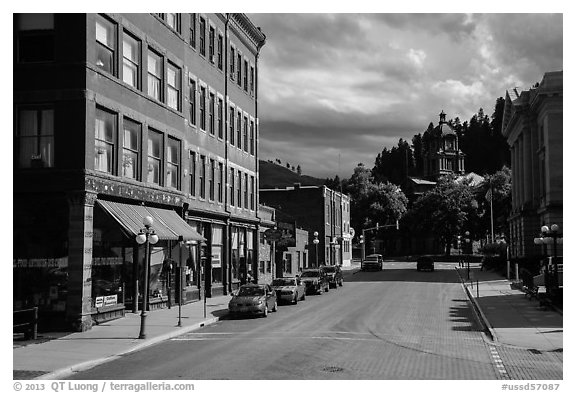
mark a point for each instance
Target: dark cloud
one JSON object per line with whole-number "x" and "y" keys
{"x": 457, "y": 26}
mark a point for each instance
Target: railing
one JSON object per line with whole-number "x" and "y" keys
{"x": 26, "y": 321}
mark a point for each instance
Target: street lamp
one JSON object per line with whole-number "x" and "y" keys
{"x": 550, "y": 236}
{"x": 146, "y": 236}
{"x": 316, "y": 241}
{"x": 467, "y": 241}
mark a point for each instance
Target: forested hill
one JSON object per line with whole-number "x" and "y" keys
{"x": 277, "y": 176}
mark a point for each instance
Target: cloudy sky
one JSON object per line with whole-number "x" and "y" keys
{"x": 335, "y": 89}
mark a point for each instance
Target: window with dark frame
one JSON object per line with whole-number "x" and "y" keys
{"x": 220, "y": 118}
{"x": 155, "y": 75}
{"x": 35, "y": 37}
{"x": 211, "y": 104}
{"x": 192, "y": 173}
{"x": 220, "y": 182}
{"x": 245, "y": 75}
{"x": 36, "y": 137}
{"x": 239, "y": 131}
{"x": 239, "y": 69}
{"x": 252, "y": 80}
{"x": 173, "y": 164}
{"x": 232, "y": 62}
{"x": 220, "y": 51}
{"x": 211, "y": 38}
{"x": 173, "y": 20}
{"x": 202, "y": 36}
{"x": 174, "y": 86}
{"x": 131, "y": 49}
{"x": 155, "y": 147}
{"x": 105, "y": 44}
{"x": 203, "y": 177}
{"x": 105, "y": 141}
{"x": 232, "y": 191}
{"x": 131, "y": 149}
{"x": 211, "y": 179}
{"x": 252, "y": 137}
{"x": 246, "y": 191}
{"x": 202, "y": 108}
{"x": 245, "y": 134}
{"x": 193, "y": 30}
{"x": 231, "y": 122}
{"x": 252, "y": 189}
{"x": 239, "y": 188}
{"x": 192, "y": 100}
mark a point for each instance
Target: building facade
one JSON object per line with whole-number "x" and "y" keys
{"x": 317, "y": 209}
{"x": 120, "y": 116}
{"x": 532, "y": 125}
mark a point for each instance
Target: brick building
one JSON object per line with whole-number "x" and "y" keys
{"x": 532, "y": 125}
{"x": 317, "y": 209}
{"x": 119, "y": 116}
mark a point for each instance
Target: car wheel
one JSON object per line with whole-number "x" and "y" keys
{"x": 341, "y": 282}
{"x": 295, "y": 301}
{"x": 320, "y": 291}
{"x": 326, "y": 288}
{"x": 265, "y": 311}
{"x": 304, "y": 295}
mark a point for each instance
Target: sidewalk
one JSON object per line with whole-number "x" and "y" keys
{"x": 60, "y": 357}
{"x": 510, "y": 317}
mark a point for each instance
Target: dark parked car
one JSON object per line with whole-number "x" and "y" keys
{"x": 315, "y": 281}
{"x": 372, "y": 262}
{"x": 334, "y": 275}
{"x": 425, "y": 263}
{"x": 253, "y": 299}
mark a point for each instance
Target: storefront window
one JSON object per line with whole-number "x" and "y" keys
{"x": 40, "y": 282}
{"x": 235, "y": 254}
{"x": 107, "y": 270}
{"x": 217, "y": 231}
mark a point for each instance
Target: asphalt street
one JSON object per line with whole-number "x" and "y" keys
{"x": 392, "y": 324}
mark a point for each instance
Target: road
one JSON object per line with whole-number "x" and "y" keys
{"x": 392, "y": 324}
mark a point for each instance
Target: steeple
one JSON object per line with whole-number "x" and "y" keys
{"x": 442, "y": 117}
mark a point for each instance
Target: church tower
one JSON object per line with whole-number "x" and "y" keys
{"x": 441, "y": 154}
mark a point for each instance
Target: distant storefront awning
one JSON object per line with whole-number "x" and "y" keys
{"x": 168, "y": 225}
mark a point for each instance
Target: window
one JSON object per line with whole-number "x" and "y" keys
{"x": 105, "y": 44}
{"x": 245, "y": 191}
{"x": 173, "y": 86}
{"x": 211, "y": 180}
{"x": 239, "y": 189}
{"x": 211, "y": 113}
{"x": 245, "y": 75}
{"x": 173, "y": 164}
{"x": 173, "y": 21}
{"x": 220, "y": 184}
{"x": 202, "y": 108}
{"x": 232, "y": 62}
{"x": 231, "y": 181}
{"x": 203, "y": 177}
{"x": 131, "y": 60}
{"x": 245, "y": 134}
{"x": 239, "y": 131}
{"x": 252, "y": 137}
{"x": 155, "y": 72}
{"x": 131, "y": 149}
{"x": 192, "y": 101}
{"x": 220, "y": 118}
{"x": 35, "y": 37}
{"x": 251, "y": 80}
{"x": 211, "y": 45}
{"x": 155, "y": 140}
{"x": 231, "y": 121}
{"x": 105, "y": 138}
{"x": 36, "y": 137}
{"x": 202, "y": 36}
{"x": 192, "y": 173}
{"x": 216, "y": 252}
{"x": 239, "y": 69}
{"x": 220, "y": 50}
{"x": 193, "y": 30}
{"x": 252, "y": 200}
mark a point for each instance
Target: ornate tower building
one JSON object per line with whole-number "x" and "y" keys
{"x": 441, "y": 154}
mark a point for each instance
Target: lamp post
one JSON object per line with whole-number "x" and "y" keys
{"x": 146, "y": 236}
{"x": 551, "y": 236}
{"x": 467, "y": 241}
{"x": 316, "y": 241}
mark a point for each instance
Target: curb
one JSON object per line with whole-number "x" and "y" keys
{"x": 478, "y": 311}
{"x": 67, "y": 371}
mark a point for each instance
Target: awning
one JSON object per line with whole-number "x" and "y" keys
{"x": 168, "y": 225}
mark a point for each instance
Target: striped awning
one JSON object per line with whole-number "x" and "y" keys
{"x": 168, "y": 225}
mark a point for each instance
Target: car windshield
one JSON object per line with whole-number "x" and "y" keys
{"x": 310, "y": 273}
{"x": 371, "y": 258}
{"x": 251, "y": 291}
{"x": 283, "y": 281}
{"x": 330, "y": 269}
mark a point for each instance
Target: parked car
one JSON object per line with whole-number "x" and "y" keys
{"x": 372, "y": 262}
{"x": 425, "y": 263}
{"x": 289, "y": 289}
{"x": 334, "y": 275}
{"x": 315, "y": 281}
{"x": 253, "y": 299}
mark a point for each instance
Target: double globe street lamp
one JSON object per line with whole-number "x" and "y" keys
{"x": 316, "y": 241}
{"x": 146, "y": 236}
{"x": 551, "y": 236}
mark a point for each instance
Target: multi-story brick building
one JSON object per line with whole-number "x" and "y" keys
{"x": 119, "y": 116}
{"x": 532, "y": 125}
{"x": 317, "y": 209}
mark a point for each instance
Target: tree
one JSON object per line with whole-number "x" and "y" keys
{"x": 501, "y": 195}
{"x": 445, "y": 210}
{"x": 333, "y": 184}
{"x": 299, "y": 169}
